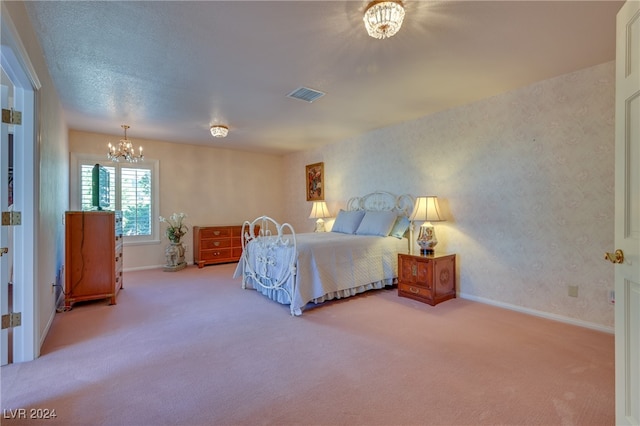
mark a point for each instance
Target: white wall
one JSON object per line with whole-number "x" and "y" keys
{"x": 525, "y": 180}
{"x": 52, "y": 164}
{"x": 212, "y": 186}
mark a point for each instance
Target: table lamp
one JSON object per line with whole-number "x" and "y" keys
{"x": 427, "y": 210}
{"x": 319, "y": 211}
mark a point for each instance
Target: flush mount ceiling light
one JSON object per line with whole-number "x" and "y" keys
{"x": 382, "y": 19}
{"x": 219, "y": 131}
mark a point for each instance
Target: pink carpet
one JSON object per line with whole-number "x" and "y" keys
{"x": 193, "y": 348}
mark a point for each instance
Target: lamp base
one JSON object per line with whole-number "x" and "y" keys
{"x": 320, "y": 226}
{"x": 427, "y": 239}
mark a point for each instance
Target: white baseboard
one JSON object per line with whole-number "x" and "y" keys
{"x": 143, "y": 268}
{"x": 537, "y": 313}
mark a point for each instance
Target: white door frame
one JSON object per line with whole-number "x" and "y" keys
{"x": 16, "y": 63}
{"x": 5, "y": 241}
{"x": 627, "y": 215}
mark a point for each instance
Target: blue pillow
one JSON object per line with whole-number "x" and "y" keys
{"x": 377, "y": 223}
{"x": 347, "y": 221}
{"x": 400, "y": 227}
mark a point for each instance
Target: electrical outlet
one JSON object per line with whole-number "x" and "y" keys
{"x": 612, "y": 297}
{"x": 573, "y": 290}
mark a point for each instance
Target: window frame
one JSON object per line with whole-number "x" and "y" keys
{"x": 75, "y": 192}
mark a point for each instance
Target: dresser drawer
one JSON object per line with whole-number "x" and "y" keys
{"x": 216, "y": 255}
{"x": 215, "y": 232}
{"x": 415, "y": 291}
{"x": 215, "y": 244}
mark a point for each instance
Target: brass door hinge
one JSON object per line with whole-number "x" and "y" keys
{"x": 11, "y": 218}
{"x": 9, "y": 116}
{"x": 14, "y": 319}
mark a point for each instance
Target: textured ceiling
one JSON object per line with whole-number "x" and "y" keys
{"x": 169, "y": 69}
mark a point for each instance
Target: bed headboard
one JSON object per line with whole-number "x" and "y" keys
{"x": 383, "y": 201}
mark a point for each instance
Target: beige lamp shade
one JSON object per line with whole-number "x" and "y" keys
{"x": 319, "y": 211}
{"x": 427, "y": 209}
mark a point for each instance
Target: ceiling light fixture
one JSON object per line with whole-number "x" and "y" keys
{"x": 383, "y": 19}
{"x": 219, "y": 131}
{"x": 125, "y": 150}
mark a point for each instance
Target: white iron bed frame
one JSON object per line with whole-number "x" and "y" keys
{"x": 272, "y": 236}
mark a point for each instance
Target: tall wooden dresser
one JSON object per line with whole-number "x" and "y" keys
{"x": 216, "y": 244}
{"x": 93, "y": 256}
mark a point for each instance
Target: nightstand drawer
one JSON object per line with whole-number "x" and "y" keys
{"x": 413, "y": 291}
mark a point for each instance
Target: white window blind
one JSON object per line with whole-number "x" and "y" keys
{"x": 131, "y": 190}
{"x": 135, "y": 200}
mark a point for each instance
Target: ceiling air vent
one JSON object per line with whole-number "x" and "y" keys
{"x": 305, "y": 94}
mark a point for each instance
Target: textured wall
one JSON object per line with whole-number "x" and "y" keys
{"x": 525, "y": 179}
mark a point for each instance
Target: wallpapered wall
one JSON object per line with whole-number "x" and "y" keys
{"x": 526, "y": 182}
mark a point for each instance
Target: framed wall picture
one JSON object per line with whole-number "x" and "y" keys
{"x": 315, "y": 182}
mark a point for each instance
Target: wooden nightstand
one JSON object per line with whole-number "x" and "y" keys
{"x": 430, "y": 279}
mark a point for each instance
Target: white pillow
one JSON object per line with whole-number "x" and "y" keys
{"x": 377, "y": 223}
{"x": 347, "y": 221}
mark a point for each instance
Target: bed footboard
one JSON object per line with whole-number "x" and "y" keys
{"x": 269, "y": 256}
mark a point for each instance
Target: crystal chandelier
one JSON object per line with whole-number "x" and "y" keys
{"x": 219, "y": 131}
{"x": 125, "y": 150}
{"x": 383, "y": 18}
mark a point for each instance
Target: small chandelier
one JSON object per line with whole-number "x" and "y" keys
{"x": 125, "y": 150}
{"x": 382, "y": 19}
{"x": 219, "y": 131}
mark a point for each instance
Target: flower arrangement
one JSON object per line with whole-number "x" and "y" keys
{"x": 176, "y": 227}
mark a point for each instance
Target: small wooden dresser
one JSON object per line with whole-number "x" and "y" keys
{"x": 216, "y": 244}
{"x": 427, "y": 278}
